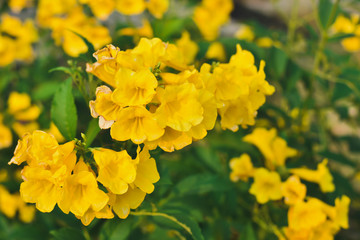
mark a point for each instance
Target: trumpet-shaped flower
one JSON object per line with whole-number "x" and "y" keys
{"x": 241, "y": 168}
{"x": 293, "y": 190}
{"x": 266, "y": 186}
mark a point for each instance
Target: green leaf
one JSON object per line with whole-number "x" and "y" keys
{"x": 45, "y": 90}
{"x": 208, "y": 157}
{"x": 62, "y": 69}
{"x": 92, "y": 131}
{"x": 340, "y": 36}
{"x": 249, "y": 232}
{"x": 88, "y": 56}
{"x": 116, "y": 229}
{"x": 279, "y": 61}
{"x": 202, "y": 183}
{"x": 166, "y": 29}
{"x": 67, "y": 233}
{"x": 63, "y": 110}
{"x": 327, "y": 13}
{"x": 337, "y": 157}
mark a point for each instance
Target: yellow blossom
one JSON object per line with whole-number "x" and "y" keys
{"x": 241, "y": 168}
{"x": 5, "y": 135}
{"x": 266, "y": 186}
{"x": 122, "y": 204}
{"x": 216, "y": 51}
{"x": 144, "y": 31}
{"x": 188, "y": 47}
{"x": 293, "y": 190}
{"x": 130, "y": 7}
{"x": 274, "y": 148}
{"x": 90, "y": 214}
{"x": 264, "y": 42}
{"x": 137, "y": 124}
{"x": 321, "y": 176}
{"x": 116, "y": 169}
{"x": 101, "y": 8}
{"x": 245, "y": 32}
{"x": 8, "y": 203}
{"x": 18, "y": 102}
{"x": 134, "y": 88}
{"x": 157, "y": 7}
{"x": 17, "y": 5}
{"x": 56, "y": 133}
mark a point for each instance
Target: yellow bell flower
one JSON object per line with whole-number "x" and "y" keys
{"x": 216, "y": 51}
{"x": 293, "y": 190}
{"x": 18, "y": 5}
{"x": 188, "y": 47}
{"x": 241, "y": 168}
{"x": 5, "y": 135}
{"x": 116, "y": 169}
{"x": 134, "y": 88}
{"x": 137, "y": 124}
{"x": 266, "y": 186}
{"x": 121, "y": 204}
{"x": 245, "y": 32}
{"x": 53, "y": 130}
{"x": 150, "y": 51}
{"x": 130, "y": 7}
{"x": 321, "y": 176}
{"x": 106, "y": 66}
{"x": 23, "y": 128}
{"x": 157, "y": 7}
{"x": 18, "y": 102}
{"x": 144, "y": 31}
{"x": 7, "y": 50}
{"x": 80, "y": 193}
{"x": 274, "y": 148}
{"x": 26, "y": 212}
{"x": 146, "y": 172}
{"x": 306, "y": 215}
{"x": 265, "y": 42}
{"x": 101, "y": 8}
{"x": 8, "y": 203}
{"x": 171, "y": 140}
{"x": 179, "y": 107}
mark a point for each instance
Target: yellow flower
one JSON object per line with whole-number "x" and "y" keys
{"x": 150, "y": 51}
{"x": 26, "y": 212}
{"x": 137, "y": 124}
{"x": 104, "y": 108}
{"x": 342, "y": 209}
{"x": 80, "y": 193}
{"x": 18, "y": 102}
{"x": 53, "y": 130}
{"x": 216, "y": 51}
{"x": 306, "y": 215}
{"x": 171, "y": 140}
{"x": 241, "y": 168}
{"x": 7, "y": 50}
{"x": 106, "y": 66}
{"x": 245, "y": 32}
{"x": 130, "y": 7}
{"x": 134, "y": 88}
{"x": 157, "y": 7}
{"x": 5, "y": 135}
{"x": 23, "y": 128}
{"x": 90, "y": 214}
{"x": 321, "y": 176}
{"x": 266, "y": 186}
{"x": 188, "y": 47}
{"x": 3, "y": 175}
{"x": 293, "y": 190}
{"x": 146, "y": 172}
{"x": 101, "y": 8}
{"x": 264, "y": 42}
{"x": 351, "y": 44}
{"x": 179, "y": 107}
{"x": 17, "y": 5}
{"x": 116, "y": 169}
{"x": 8, "y": 203}
{"x": 144, "y": 31}
{"x": 122, "y": 204}
{"x": 274, "y": 148}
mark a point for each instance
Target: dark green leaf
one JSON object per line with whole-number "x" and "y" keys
{"x": 337, "y": 157}
{"x": 67, "y": 233}
{"x": 63, "y": 110}
{"x": 116, "y": 229}
{"x": 279, "y": 61}
{"x": 45, "y": 90}
{"x": 326, "y": 13}
{"x": 209, "y": 158}
{"x": 88, "y": 56}
{"x": 92, "y": 131}
{"x": 62, "y": 69}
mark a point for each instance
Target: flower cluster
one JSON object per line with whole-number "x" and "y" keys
{"x": 22, "y": 116}
{"x": 350, "y": 25}
{"x": 53, "y": 175}
{"x": 11, "y": 203}
{"x": 16, "y": 35}
{"x": 308, "y": 217}
{"x": 210, "y": 15}
{"x": 158, "y": 100}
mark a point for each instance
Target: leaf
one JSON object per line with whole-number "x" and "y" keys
{"x": 67, "y": 233}
{"x": 327, "y": 13}
{"x": 337, "y": 157}
{"x": 340, "y": 36}
{"x": 62, "y": 69}
{"x": 92, "y": 131}
{"x": 116, "y": 230}
{"x": 279, "y": 61}
{"x": 63, "y": 110}
{"x": 88, "y": 56}
{"x": 249, "y": 232}
{"x": 208, "y": 157}
{"x": 166, "y": 29}
{"x": 202, "y": 183}
{"x": 45, "y": 90}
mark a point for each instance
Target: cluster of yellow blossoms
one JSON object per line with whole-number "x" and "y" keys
{"x": 158, "y": 100}
{"x": 11, "y": 203}
{"x": 308, "y": 217}
{"x": 54, "y": 175}
{"x": 22, "y": 115}
{"x": 210, "y": 15}
{"x": 348, "y": 26}
{"x": 16, "y": 35}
